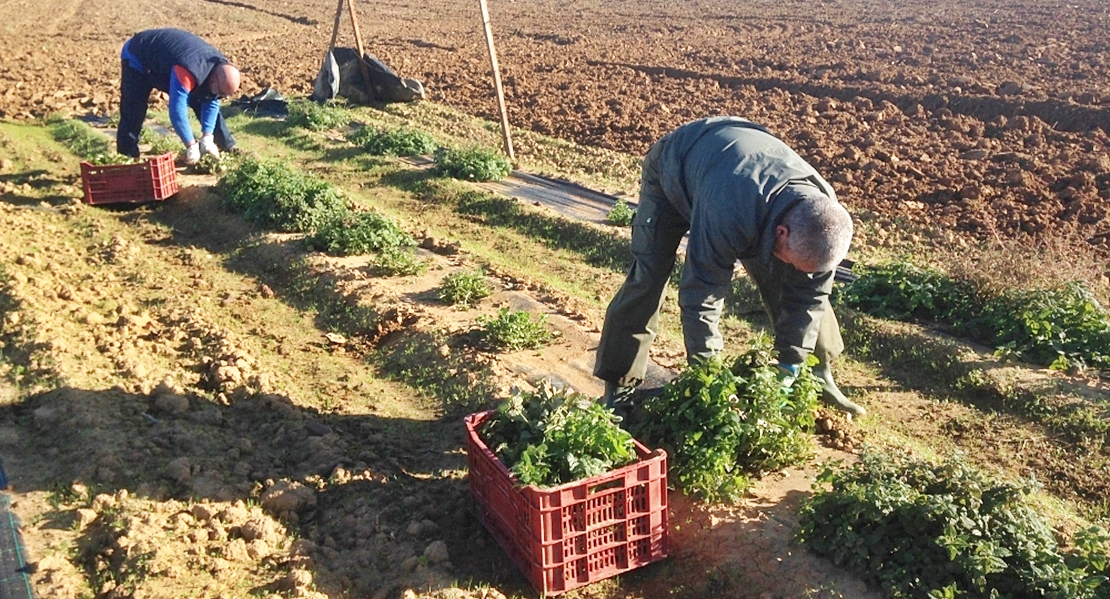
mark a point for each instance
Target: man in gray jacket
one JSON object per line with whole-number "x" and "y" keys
{"x": 743, "y": 195}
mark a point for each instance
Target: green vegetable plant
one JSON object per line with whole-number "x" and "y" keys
{"x": 316, "y": 117}
{"x": 512, "y": 330}
{"x": 933, "y": 530}
{"x": 472, "y": 164}
{"x": 81, "y": 139}
{"x": 464, "y": 287}
{"x": 271, "y": 193}
{"x": 1061, "y": 327}
{"x": 353, "y": 233}
{"x": 210, "y": 164}
{"x": 621, "y": 214}
{"x": 393, "y": 142}
{"x": 398, "y": 262}
{"x": 165, "y": 143}
{"x": 724, "y": 421}
{"x": 551, "y": 437}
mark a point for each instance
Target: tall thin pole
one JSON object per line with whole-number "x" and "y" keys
{"x": 497, "y": 83}
{"x": 361, "y": 52}
{"x": 335, "y": 28}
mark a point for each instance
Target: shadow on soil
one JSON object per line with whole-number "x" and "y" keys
{"x": 201, "y": 450}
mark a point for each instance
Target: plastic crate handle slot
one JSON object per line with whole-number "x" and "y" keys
{"x": 613, "y": 484}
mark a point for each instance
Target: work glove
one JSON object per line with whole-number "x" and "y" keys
{"x": 192, "y": 154}
{"x": 208, "y": 146}
{"x": 787, "y": 374}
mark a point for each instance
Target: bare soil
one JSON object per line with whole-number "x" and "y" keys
{"x": 984, "y": 119}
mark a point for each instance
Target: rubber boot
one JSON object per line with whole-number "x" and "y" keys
{"x": 616, "y": 395}
{"x": 831, "y": 395}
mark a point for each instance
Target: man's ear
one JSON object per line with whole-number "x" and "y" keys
{"x": 781, "y": 233}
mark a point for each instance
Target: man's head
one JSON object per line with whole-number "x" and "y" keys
{"x": 224, "y": 80}
{"x": 814, "y": 234}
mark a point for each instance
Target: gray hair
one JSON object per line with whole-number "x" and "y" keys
{"x": 820, "y": 231}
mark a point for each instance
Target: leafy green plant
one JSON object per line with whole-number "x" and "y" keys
{"x": 398, "y": 262}
{"x": 393, "y": 142}
{"x": 901, "y": 290}
{"x": 464, "y": 287}
{"x": 1063, "y": 327}
{"x": 723, "y": 422}
{"x": 472, "y": 164}
{"x": 353, "y": 233}
{"x": 80, "y": 138}
{"x": 271, "y": 193}
{"x": 621, "y": 214}
{"x": 1060, "y": 327}
{"x": 552, "y": 437}
{"x": 316, "y": 117}
{"x": 112, "y": 158}
{"x": 165, "y": 143}
{"x": 210, "y": 164}
{"x": 929, "y": 530}
{"x": 512, "y": 330}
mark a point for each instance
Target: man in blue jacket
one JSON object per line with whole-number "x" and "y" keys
{"x": 192, "y": 72}
{"x": 743, "y": 195}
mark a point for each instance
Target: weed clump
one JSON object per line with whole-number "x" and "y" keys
{"x": 723, "y": 422}
{"x": 553, "y": 437}
{"x": 513, "y": 330}
{"x": 353, "y": 233}
{"x": 472, "y": 164}
{"x": 316, "y": 117}
{"x": 621, "y": 214}
{"x": 393, "y": 142}
{"x": 271, "y": 193}
{"x": 464, "y": 288}
{"x": 927, "y": 530}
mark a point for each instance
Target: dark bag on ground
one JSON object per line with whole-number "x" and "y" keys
{"x": 385, "y": 85}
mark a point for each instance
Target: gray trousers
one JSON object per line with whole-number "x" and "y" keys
{"x": 632, "y": 318}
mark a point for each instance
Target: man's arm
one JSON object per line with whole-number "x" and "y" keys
{"x": 181, "y": 84}
{"x": 803, "y": 301}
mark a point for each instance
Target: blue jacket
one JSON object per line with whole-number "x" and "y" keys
{"x": 178, "y": 63}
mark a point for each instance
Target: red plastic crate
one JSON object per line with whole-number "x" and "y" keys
{"x": 150, "y": 181}
{"x": 566, "y": 537}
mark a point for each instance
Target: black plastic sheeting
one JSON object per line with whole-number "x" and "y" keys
{"x": 14, "y": 582}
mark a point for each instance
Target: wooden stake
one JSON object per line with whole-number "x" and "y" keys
{"x": 497, "y": 83}
{"x": 361, "y": 52}
{"x": 335, "y": 28}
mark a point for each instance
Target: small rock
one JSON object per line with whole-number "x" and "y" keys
{"x": 5, "y": 165}
{"x": 436, "y": 552}
{"x": 975, "y": 154}
{"x": 85, "y": 517}
{"x": 257, "y": 528}
{"x": 179, "y": 469}
{"x": 1009, "y": 88}
{"x": 287, "y": 496}
{"x": 410, "y": 564}
{"x": 204, "y": 512}
{"x": 171, "y": 404}
{"x": 265, "y": 291}
{"x": 317, "y": 429}
{"x": 414, "y": 529}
